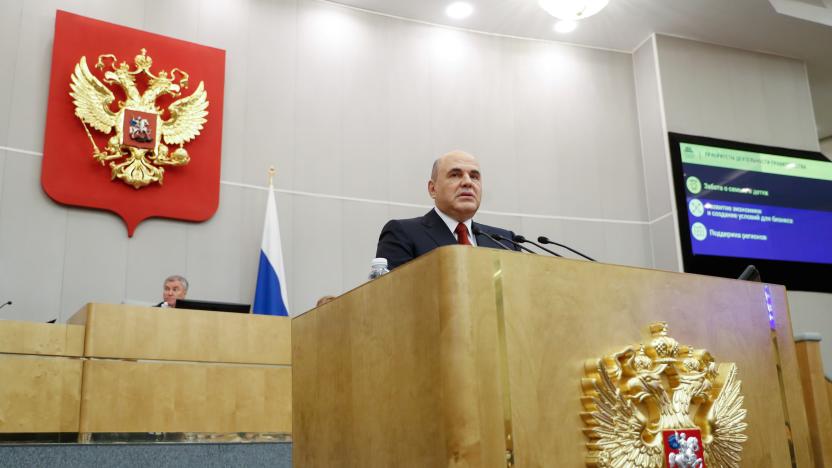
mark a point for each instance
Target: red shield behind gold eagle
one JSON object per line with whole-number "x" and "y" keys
{"x": 124, "y": 118}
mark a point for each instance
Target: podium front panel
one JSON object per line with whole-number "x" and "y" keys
{"x": 559, "y": 314}
{"x": 467, "y": 356}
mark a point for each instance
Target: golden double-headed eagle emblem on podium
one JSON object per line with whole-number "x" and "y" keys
{"x": 138, "y": 148}
{"x": 663, "y": 405}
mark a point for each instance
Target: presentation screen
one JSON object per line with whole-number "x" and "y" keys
{"x": 742, "y": 204}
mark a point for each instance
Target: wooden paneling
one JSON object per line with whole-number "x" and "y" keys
{"x": 391, "y": 374}
{"x": 561, "y": 313}
{"x": 817, "y": 400}
{"x": 39, "y": 393}
{"x": 41, "y": 338}
{"x": 132, "y": 332}
{"x": 124, "y": 396}
{"x": 829, "y": 392}
{"x": 405, "y": 370}
{"x": 793, "y": 398}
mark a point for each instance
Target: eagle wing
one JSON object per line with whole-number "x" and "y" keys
{"x": 727, "y": 420}
{"x": 187, "y": 116}
{"x": 619, "y": 428}
{"x": 91, "y": 98}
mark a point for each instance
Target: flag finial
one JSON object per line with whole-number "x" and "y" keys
{"x": 272, "y": 172}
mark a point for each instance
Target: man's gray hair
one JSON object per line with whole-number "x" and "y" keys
{"x": 179, "y": 278}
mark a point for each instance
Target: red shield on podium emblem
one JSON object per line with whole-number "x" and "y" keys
{"x": 683, "y": 448}
{"x": 134, "y": 122}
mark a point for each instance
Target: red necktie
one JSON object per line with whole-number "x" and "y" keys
{"x": 462, "y": 234}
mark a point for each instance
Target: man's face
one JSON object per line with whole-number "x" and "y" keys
{"x": 173, "y": 290}
{"x": 457, "y": 188}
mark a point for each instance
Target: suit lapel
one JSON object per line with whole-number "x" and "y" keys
{"x": 437, "y": 229}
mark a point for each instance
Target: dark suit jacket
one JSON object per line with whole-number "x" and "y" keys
{"x": 402, "y": 240}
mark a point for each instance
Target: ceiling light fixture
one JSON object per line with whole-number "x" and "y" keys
{"x": 459, "y": 10}
{"x": 572, "y": 10}
{"x": 565, "y": 26}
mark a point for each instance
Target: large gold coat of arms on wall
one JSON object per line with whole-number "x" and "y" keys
{"x": 663, "y": 405}
{"x": 138, "y": 148}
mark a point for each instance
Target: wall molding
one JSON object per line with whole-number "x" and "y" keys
{"x": 404, "y": 204}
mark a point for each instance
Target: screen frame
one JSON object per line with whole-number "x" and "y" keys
{"x": 801, "y": 276}
{"x": 212, "y": 306}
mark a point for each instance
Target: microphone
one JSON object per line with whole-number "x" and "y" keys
{"x": 502, "y": 238}
{"x": 5, "y": 304}
{"x": 751, "y": 273}
{"x": 545, "y": 240}
{"x": 477, "y": 231}
{"x": 521, "y": 239}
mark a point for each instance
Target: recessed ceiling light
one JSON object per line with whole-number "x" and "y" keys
{"x": 459, "y": 10}
{"x": 572, "y": 9}
{"x": 565, "y": 26}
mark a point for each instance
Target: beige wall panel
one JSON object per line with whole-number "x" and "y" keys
{"x": 175, "y": 19}
{"x": 735, "y": 94}
{"x": 41, "y": 338}
{"x": 158, "y": 249}
{"x": 363, "y": 238}
{"x": 39, "y": 394}
{"x": 121, "y": 331}
{"x": 95, "y": 267}
{"x": 9, "y": 36}
{"x": 31, "y": 242}
{"x": 270, "y": 98}
{"x": 214, "y": 256}
{"x": 122, "y": 396}
{"x": 658, "y": 190}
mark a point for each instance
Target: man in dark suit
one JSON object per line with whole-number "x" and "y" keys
{"x": 456, "y": 188}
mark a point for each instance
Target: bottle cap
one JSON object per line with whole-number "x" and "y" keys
{"x": 379, "y": 262}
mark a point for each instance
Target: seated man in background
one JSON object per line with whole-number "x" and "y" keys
{"x": 456, "y": 188}
{"x": 175, "y": 287}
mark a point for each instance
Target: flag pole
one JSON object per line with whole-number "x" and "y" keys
{"x": 272, "y": 172}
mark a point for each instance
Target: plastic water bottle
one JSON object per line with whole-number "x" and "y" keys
{"x": 378, "y": 267}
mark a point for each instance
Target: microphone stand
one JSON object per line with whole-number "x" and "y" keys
{"x": 501, "y": 238}
{"x": 545, "y": 240}
{"x": 521, "y": 239}
{"x": 477, "y": 231}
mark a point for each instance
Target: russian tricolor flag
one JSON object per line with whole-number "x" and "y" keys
{"x": 270, "y": 295}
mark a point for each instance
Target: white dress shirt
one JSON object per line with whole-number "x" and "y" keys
{"x": 452, "y": 223}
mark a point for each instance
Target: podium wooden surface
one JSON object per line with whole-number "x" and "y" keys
{"x": 119, "y": 369}
{"x": 170, "y": 370}
{"x": 434, "y": 364}
{"x": 816, "y": 397}
{"x": 40, "y": 377}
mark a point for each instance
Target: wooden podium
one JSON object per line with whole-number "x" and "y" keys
{"x": 183, "y": 371}
{"x": 129, "y": 373}
{"x": 464, "y": 353}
